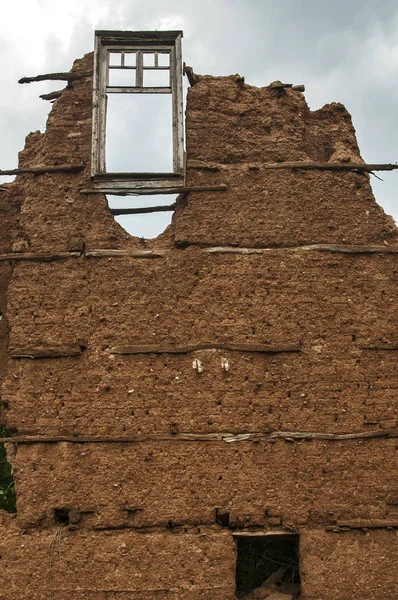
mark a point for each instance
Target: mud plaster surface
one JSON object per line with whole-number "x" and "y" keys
{"x": 147, "y": 510}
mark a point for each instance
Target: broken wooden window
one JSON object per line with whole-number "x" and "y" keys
{"x": 267, "y": 566}
{"x": 137, "y": 111}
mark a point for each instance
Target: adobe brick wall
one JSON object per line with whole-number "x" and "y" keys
{"x": 145, "y": 509}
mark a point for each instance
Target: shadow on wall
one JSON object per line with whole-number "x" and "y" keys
{"x": 7, "y": 491}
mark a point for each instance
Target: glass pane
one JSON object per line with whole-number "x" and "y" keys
{"x": 139, "y": 134}
{"x": 122, "y": 77}
{"x": 163, "y": 59}
{"x": 149, "y": 59}
{"x": 130, "y": 59}
{"x": 156, "y": 78}
{"x": 115, "y": 58}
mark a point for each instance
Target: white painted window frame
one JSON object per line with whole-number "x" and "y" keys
{"x": 141, "y": 41}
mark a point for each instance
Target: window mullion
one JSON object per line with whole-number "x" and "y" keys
{"x": 139, "y": 72}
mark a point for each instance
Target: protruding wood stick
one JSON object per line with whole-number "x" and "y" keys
{"x": 278, "y": 85}
{"x": 51, "y": 95}
{"x": 56, "y": 77}
{"x": 330, "y": 166}
{"x": 192, "y": 78}
{"x": 39, "y": 256}
{"x": 43, "y": 169}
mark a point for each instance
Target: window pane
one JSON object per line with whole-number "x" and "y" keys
{"x": 130, "y": 59}
{"x": 115, "y": 58}
{"x": 156, "y": 78}
{"x": 163, "y": 59}
{"x": 139, "y": 136}
{"x": 149, "y": 59}
{"x": 122, "y": 77}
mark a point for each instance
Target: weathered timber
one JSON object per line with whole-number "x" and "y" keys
{"x": 144, "y": 210}
{"x": 306, "y": 435}
{"x": 386, "y": 346}
{"x": 337, "y": 166}
{"x": 56, "y": 77}
{"x": 39, "y": 257}
{"x": 113, "y": 253}
{"x": 278, "y": 85}
{"x": 174, "y": 349}
{"x": 368, "y": 523}
{"x": 274, "y": 578}
{"x": 197, "y": 437}
{"x": 43, "y": 169}
{"x": 336, "y": 248}
{"x": 33, "y": 353}
{"x": 52, "y": 95}
{"x": 192, "y": 78}
{"x": 202, "y": 166}
{"x": 155, "y": 192}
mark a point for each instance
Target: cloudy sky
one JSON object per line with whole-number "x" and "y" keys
{"x": 344, "y": 51}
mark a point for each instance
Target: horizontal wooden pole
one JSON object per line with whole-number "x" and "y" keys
{"x": 100, "y": 253}
{"x": 56, "y": 77}
{"x": 368, "y": 523}
{"x": 113, "y": 253}
{"x": 144, "y": 210}
{"x": 132, "y": 191}
{"x": 112, "y": 177}
{"x": 392, "y": 346}
{"x": 39, "y": 256}
{"x": 61, "y": 352}
{"x": 175, "y": 349}
{"x": 335, "y": 248}
{"x": 138, "y": 90}
{"x": 330, "y": 166}
{"x": 201, "y": 437}
{"x": 43, "y": 169}
{"x": 299, "y": 435}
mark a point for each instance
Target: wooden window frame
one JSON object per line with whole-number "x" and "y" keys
{"x": 141, "y": 42}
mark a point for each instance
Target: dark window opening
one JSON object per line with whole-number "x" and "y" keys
{"x": 7, "y": 490}
{"x": 61, "y": 516}
{"x": 267, "y": 562}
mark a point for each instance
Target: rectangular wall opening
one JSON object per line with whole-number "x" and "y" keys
{"x": 267, "y": 565}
